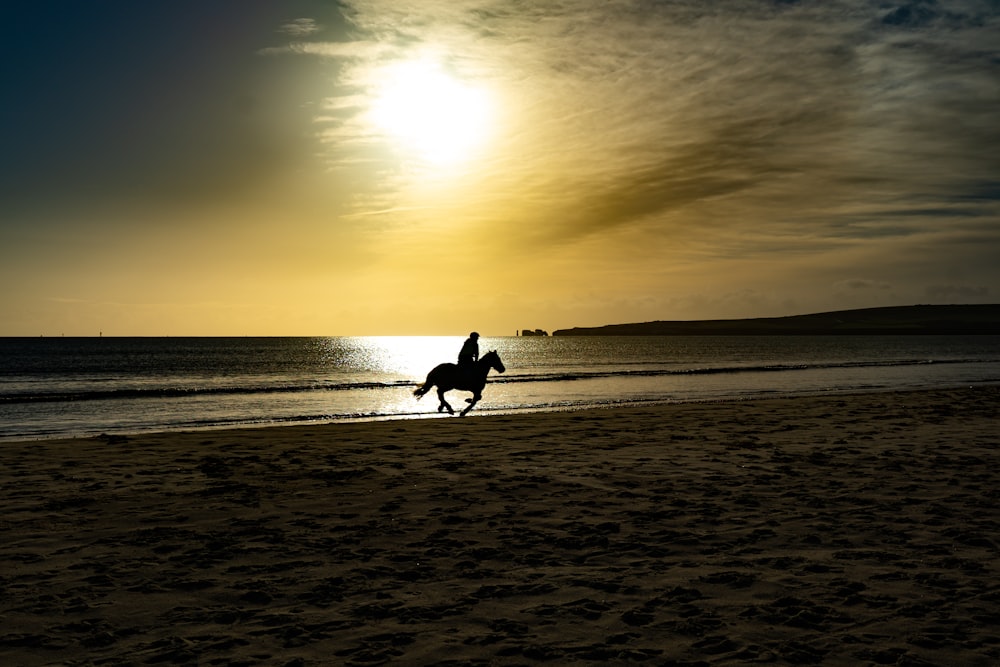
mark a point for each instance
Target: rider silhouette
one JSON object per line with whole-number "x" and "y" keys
{"x": 470, "y": 351}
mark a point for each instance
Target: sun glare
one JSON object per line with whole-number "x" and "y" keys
{"x": 430, "y": 113}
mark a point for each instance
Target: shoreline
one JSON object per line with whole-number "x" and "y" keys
{"x": 859, "y": 528}
{"x": 482, "y": 411}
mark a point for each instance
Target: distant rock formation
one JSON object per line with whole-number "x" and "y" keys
{"x": 534, "y": 332}
{"x": 894, "y": 320}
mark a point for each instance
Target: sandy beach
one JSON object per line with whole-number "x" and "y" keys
{"x": 836, "y": 530}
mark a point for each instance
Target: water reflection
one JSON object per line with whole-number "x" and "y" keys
{"x": 396, "y": 357}
{"x": 91, "y": 385}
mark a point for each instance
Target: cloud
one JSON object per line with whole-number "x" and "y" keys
{"x": 648, "y": 108}
{"x": 958, "y": 293}
{"x": 343, "y": 50}
{"x": 697, "y": 131}
{"x": 928, "y": 13}
{"x": 300, "y": 27}
{"x": 862, "y": 284}
{"x": 913, "y": 14}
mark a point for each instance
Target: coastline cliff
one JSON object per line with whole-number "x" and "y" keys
{"x": 895, "y": 320}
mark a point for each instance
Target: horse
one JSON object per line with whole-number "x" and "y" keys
{"x": 452, "y": 376}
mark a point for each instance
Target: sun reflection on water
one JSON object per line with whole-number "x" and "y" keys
{"x": 400, "y": 357}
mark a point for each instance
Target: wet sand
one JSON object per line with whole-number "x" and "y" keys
{"x": 838, "y": 530}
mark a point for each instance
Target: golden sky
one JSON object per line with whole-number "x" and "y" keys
{"x": 433, "y": 167}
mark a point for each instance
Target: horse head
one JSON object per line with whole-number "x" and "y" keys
{"x": 493, "y": 360}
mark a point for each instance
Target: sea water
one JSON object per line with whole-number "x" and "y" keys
{"x": 55, "y": 387}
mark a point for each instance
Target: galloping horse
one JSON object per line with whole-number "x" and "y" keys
{"x": 451, "y": 376}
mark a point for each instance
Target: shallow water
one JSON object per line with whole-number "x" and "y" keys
{"x": 53, "y": 387}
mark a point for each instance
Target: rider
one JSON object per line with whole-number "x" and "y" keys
{"x": 470, "y": 351}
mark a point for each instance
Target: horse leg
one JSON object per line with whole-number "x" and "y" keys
{"x": 444, "y": 404}
{"x": 472, "y": 402}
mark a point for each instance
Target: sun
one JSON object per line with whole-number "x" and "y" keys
{"x": 429, "y": 113}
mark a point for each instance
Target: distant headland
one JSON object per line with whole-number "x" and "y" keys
{"x": 895, "y": 320}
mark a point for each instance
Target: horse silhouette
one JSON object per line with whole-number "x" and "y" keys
{"x": 465, "y": 378}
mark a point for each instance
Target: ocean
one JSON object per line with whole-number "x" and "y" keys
{"x": 58, "y": 387}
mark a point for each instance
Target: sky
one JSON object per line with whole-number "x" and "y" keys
{"x": 430, "y": 167}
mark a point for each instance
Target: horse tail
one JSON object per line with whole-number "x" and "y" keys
{"x": 424, "y": 388}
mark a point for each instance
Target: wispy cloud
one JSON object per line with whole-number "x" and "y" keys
{"x": 957, "y": 293}
{"x": 300, "y": 27}
{"x": 650, "y": 107}
{"x": 854, "y": 131}
{"x": 862, "y": 284}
